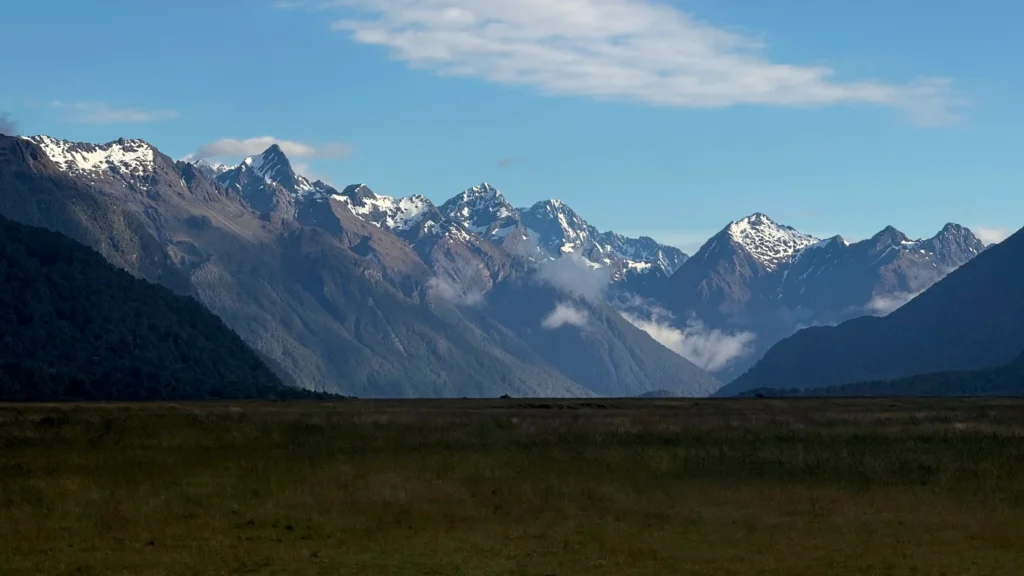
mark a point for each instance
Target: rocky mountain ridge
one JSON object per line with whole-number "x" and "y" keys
{"x": 749, "y": 286}
{"x": 337, "y": 300}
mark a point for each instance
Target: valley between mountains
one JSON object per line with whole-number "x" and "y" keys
{"x": 354, "y": 292}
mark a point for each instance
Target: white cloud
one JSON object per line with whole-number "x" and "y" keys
{"x": 452, "y": 292}
{"x": 711, "y": 349}
{"x": 885, "y": 304}
{"x": 576, "y": 275}
{"x": 464, "y": 284}
{"x": 632, "y": 50}
{"x": 991, "y": 235}
{"x": 232, "y": 147}
{"x": 7, "y": 125}
{"x": 102, "y": 113}
{"x": 565, "y": 314}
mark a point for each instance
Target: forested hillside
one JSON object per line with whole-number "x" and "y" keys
{"x": 74, "y": 327}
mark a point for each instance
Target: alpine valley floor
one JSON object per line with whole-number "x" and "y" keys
{"x": 596, "y": 487}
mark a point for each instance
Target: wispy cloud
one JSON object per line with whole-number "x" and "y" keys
{"x": 231, "y": 147}
{"x": 631, "y": 50}
{"x": 103, "y": 113}
{"x": 565, "y": 315}
{"x": 711, "y": 349}
{"x": 289, "y": 4}
{"x": 884, "y": 304}
{"x": 7, "y": 125}
{"x": 574, "y": 274}
{"x": 991, "y": 235}
{"x": 463, "y": 284}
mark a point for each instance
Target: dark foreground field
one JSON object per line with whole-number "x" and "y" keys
{"x": 797, "y": 486}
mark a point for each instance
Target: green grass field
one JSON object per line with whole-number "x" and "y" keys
{"x": 716, "y": 487}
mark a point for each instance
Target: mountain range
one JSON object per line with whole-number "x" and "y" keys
{"x": 971, "y": 319}
{"x": 357, "y": 292}
{"x": 344, "y": 301}
{"x": 757, "y": 281}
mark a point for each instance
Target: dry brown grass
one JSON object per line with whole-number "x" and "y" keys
{"x": 796, "y": 486}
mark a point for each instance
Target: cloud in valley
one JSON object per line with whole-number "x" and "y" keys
{"x": 7, "y": 125}
{"x": 575, "y": 275}
{"x": 231, "y": 147}
{"x": 103, "y": 113}
{"x": 565, "y": 314}
{"x": 626, "y": 50}
{"x": 883, "y": 305}
{"x": 711, "y": 349}
{"x": 991, "y": 235}
{"x": 448, "y": 290}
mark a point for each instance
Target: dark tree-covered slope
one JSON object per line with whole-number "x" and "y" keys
{"x": 74, "y": 327}
{"x": 1005, "y": 380}
{"x": 971, "y": 319}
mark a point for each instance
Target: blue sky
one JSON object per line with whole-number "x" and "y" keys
{"x": 662, "y": 118}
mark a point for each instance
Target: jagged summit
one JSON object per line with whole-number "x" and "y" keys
{"x": 121, "y": 157}
{"x": 273, "y": 166}
{"x": 396, "y": 214}
{"x": 954, "y": 243}
{"x": 483, "y": 210}
{"x": 559, "y": 226}
{"x": 890, "y": 235}
{"x": 768, "y": 242}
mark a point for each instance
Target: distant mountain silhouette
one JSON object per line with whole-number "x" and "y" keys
{"x": 971, "y": 319}
{"x": 1005, "y": 380}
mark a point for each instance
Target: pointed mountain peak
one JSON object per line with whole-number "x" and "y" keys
{"x": 891, "y": 236}
{"x": 483, "y": 191}
{"x": 358, "y": 192}
{"x": 553, "y": 207}
{"x": 767, "y": 241}
{"x": 270, "y": 159}
{"x": 757, "y": 219}
{"x": 358, "y": 195}
{"x": 954, "y": 244}
{"x": 956, "y": 232}
{"x": 211, "y": 169}
{"x": 273, "y": 166}
{"x": 481, "y": 209}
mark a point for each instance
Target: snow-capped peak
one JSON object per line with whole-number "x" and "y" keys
{"x": 273, "y": 166}
{"x": 559, "y": 226}
{"x": 768, "y": 242}
{"x": 484, "y": 189}
{"x": 121, "y": 157}
{"x": 398, "y": 214}
{"x": 481, "y": 209}
{"x": 211, "y": 169}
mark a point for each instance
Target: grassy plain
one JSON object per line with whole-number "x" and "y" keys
{"x": 476, "y": 488}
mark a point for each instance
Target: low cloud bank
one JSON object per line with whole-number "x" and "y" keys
{"x": 575, "y": 275}
{"x": 708, "y": 348}
{"x": 566, "y": 314}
